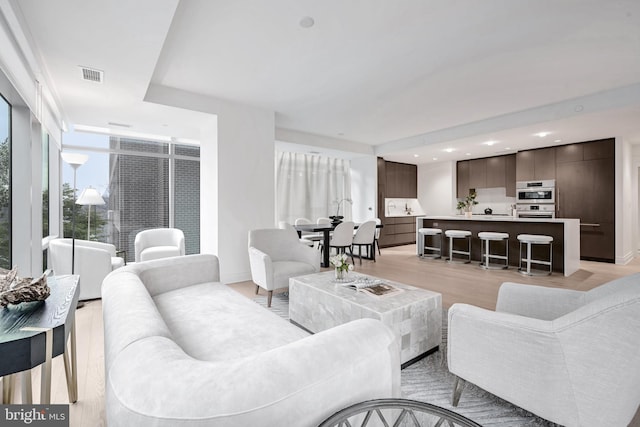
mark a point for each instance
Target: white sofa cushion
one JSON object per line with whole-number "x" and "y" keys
{"x": 212, "y": 322}
{"x": 158, "y": 252}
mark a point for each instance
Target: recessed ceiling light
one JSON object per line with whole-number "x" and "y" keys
{"x": 435, "y": 158}
{"x": 307, "y": 22}
{"x": 467, "y": 154}
{"x": 490, "y": 143}
{"x": 449, "y": 150}
{"x": 122, "y": 125}
{"x": 507, "y": 148}
{"x": 558, "y": 140}
{"x": 542, "y": 134}
{"x": 416, "y": 155}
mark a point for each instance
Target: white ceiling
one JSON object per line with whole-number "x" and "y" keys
{"x": 407, "y": 76}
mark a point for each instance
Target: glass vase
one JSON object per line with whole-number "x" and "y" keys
{"x": 340, "y": 274}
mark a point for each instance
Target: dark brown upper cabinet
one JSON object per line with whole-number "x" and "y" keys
{"x": 462, "y": 178}
{"x": 496, "y": 171}
{"x": 478, "y": 173}
{"x": 510, "y": 175}
{"x": 536, "y": 164}
{"x": 401, "y": 180}
{"x": 490, "y": 172}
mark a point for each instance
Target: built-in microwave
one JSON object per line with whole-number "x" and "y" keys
{"x": 536, "y": 192}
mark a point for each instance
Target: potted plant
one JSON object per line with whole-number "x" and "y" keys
{"x": 466, "y": 204}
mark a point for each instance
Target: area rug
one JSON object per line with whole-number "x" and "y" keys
{"x": 429, "y": 380}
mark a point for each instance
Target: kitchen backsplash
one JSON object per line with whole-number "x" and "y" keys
{"x": 402, "y": 207}
{"x": 495, "y": 199}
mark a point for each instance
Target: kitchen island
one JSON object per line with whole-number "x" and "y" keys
{"x": 565, "y": 233}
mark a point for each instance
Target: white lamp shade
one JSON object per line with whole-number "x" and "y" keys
{"x": 90, "y": 196}
{"x": 74, "y": 159}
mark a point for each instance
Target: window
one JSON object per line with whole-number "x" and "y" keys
{"x": 5, "y": 183}
{"x": 45, "y": 185}
{"x": 145, "y": 184}
{"x": 311, "y": 186}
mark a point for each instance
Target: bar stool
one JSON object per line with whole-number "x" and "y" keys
{"x": 436, "y": 251}
{"x": 535, "y": 239}
{"x": 485, "y": 252}
{"x": 459, "y": 234}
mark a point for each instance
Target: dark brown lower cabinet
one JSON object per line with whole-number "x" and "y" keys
{"x": 597, "y": 241}
{"x": 398, "y": 231}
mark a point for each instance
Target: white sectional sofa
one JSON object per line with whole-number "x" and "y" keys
{"x": 181, "y": 349}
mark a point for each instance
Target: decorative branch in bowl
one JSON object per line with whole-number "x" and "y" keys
{"x": 466, "y": 204}
{"x": 14, "y": 289}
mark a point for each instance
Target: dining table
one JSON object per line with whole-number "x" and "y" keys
{"x": 326, "y": 230}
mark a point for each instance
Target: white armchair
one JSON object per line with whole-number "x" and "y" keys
{"x": 159, "y": 243}
{"x": 93, "y": 261}
{"x": 275, "y": 255}
{"x": 568, "y": 356}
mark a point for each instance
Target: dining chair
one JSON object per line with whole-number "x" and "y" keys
{"x": 307, "y": 235}
{"x": 365, "y": 236}
{"x": 377, "y": 239}
{"x": 323, "y": 220}
{"x": 342, "y": 238}
{"x": 284, "y": 225}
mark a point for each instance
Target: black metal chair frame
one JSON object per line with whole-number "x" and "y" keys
{"x": 406, "y": 416}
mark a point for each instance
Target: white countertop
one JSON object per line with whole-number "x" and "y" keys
{"x": 405, "y": 215}
{"x": 500, "y": 218}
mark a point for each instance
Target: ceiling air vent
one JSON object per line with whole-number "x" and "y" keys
{"x": 92, "y": 75}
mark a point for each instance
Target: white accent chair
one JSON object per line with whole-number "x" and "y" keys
{"x": 93, "y": 260}
{"x": 568, "y": 356}
{"x": 157, "y": 243}
{"x": 275, "y": 255}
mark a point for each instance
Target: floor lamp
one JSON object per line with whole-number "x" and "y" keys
{"x": 75, "y": 160}
{"x": 88, "y": 197}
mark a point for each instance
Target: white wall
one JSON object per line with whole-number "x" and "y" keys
{"x": 364, "y": 188}
{"x": 237, "y": 189}
{"x": 626, "y": 203}
{"x": 437, "y": 188}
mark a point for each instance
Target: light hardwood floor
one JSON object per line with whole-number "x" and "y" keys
{"x": 457, "y": 283}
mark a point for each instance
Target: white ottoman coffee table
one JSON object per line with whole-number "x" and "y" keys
{"x": 317, "y": 303}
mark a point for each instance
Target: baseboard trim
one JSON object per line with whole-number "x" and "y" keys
{"x": 627, "y": 258}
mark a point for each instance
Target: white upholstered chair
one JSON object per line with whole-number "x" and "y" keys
{"x": 158, "y": 243}
{"x": 568, "y": 356}
{"x": 93, "y": 261}
{"x": 275, "y": 255}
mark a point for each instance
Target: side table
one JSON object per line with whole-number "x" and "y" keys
{"x": 33, "y": 333}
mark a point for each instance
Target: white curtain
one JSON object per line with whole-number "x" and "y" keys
{"x": 311, "y": 186}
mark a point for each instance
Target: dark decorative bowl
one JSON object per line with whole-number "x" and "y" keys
{"x": 336, "y": 219}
